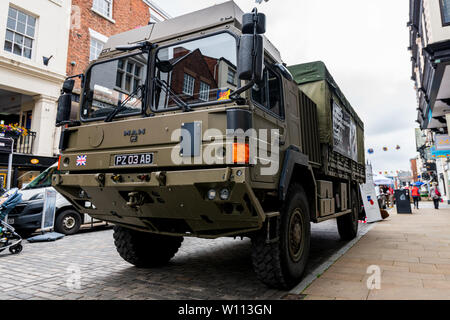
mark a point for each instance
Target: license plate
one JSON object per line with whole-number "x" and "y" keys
{"x": 10, "y": 221}
{"x": 133, "y": 159}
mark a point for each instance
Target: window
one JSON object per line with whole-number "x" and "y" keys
{"x": 231, "y": 76}
{"x": 268, "y": 94}
{"x": 20, "y": 32}
{"x": 204, "y": 91}
{"x": 188, "y": 85}
{"x": 114, "y": 83}
{"x": 44, "y": 180}
{"x": 445, "y": 11}
{"x": 204, "y": 60}
{"x": 103, "y": 7}
{"x": 95, "y": 49}
{"x": 129, "y": 75}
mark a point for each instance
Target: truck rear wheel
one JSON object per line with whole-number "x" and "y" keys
{"x": 348, "y": 224}
{"x": 143, "y": 249}
{"x": 280, "y": 264}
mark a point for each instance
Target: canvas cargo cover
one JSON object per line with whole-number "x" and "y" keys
{"x": 316, "y": 82}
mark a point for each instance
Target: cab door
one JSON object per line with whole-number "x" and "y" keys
{"x": 269, "y": 114}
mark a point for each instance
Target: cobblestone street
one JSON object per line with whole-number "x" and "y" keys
{"x": 202, "y": 269}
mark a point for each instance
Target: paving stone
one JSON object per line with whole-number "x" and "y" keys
{"x": 416, "y": 262}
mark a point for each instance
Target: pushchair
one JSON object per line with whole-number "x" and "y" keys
{"x": 9, "y": 238}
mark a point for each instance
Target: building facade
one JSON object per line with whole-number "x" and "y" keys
{"x": 430, "y": 48}
{"x": 33, "y": 55}
{"x": 94, "y": 21}
{"x": 429, "y": 26}
{"x": 42, "y": 42}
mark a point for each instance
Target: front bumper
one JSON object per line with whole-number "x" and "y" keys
{"x": 172, "y": 202}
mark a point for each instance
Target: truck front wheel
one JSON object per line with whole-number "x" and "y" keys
{"x": 143, "y": 249}
{"x": 281, "y": 263}
{"x": 348, "y": 224}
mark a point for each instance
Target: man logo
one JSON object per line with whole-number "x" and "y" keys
{"x": 133, "y": 134}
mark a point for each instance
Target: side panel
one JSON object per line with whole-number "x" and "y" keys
{"x": 309, "y": 128}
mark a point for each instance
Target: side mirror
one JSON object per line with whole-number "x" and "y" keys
{"x": 64, "y": 109}
{"x": 249, "y": 20}
{"x": 65, "y": 102}
{"x": 251, "y": 57}
{"x": 68, "y": 86}
{"x": 251, "y": 46}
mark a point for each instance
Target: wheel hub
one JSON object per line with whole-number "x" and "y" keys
{"x": 69, "y": 222}
{"x": 295, "y": 236}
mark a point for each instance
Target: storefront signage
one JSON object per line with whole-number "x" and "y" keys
{"x": 442, "y": 142}
{"x": 439, "y": 153}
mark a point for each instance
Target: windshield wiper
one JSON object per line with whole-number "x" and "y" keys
{"x": 122, "y": 106}
{"x": 168, "y": 90}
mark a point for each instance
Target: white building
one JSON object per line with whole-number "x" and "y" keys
{"x": 33, "y": 55}
{"x": 429, "y": 44}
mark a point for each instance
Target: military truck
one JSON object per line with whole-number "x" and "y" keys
{"x": 162, "y": 147}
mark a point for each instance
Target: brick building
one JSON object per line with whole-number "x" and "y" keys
{"x": 93, "y": 21}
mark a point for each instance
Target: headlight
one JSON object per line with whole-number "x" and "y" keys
{"x": 211, "y": 194}
{"x": 224, "y": 194}
{"x": 37, "y": 196}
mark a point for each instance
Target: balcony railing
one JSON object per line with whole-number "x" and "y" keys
{"x": 24, "y": 144}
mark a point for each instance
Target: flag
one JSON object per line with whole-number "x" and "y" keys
{"x": 81, "y": 160}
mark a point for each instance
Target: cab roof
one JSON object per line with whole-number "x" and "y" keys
{"x": 220, "y": 14}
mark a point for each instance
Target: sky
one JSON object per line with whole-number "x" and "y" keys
{"x": 364, "y": 45}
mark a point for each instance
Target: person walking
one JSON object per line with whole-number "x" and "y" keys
{"x": 416, "y": 196}
{"x": 391, "y": 196}
{"x": 435, "y": 195}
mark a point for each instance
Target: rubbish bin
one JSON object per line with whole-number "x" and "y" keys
{"x": 403, "y": 201}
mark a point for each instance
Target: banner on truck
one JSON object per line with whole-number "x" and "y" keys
{"x": 344, "y": 133}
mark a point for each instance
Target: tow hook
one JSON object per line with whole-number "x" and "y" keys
{"x": 100, "y": 177}
{"x": 136, "y": 199}
{"x": 161, "y": 177}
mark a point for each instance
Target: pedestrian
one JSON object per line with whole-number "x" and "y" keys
{"x": 391, "y": 197}
{"x": 435, "y": 195}
{"x": 416, "y": 196}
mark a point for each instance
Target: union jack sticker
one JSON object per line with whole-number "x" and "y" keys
{"x": 81, "y": 160}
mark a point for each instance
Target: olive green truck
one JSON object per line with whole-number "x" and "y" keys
{"x": 195, "y": 127}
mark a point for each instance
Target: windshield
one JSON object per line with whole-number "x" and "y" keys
{"x": 110, "y": 84}
{"x": 197, "y": 71}
{"x": 43, "y": 180}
